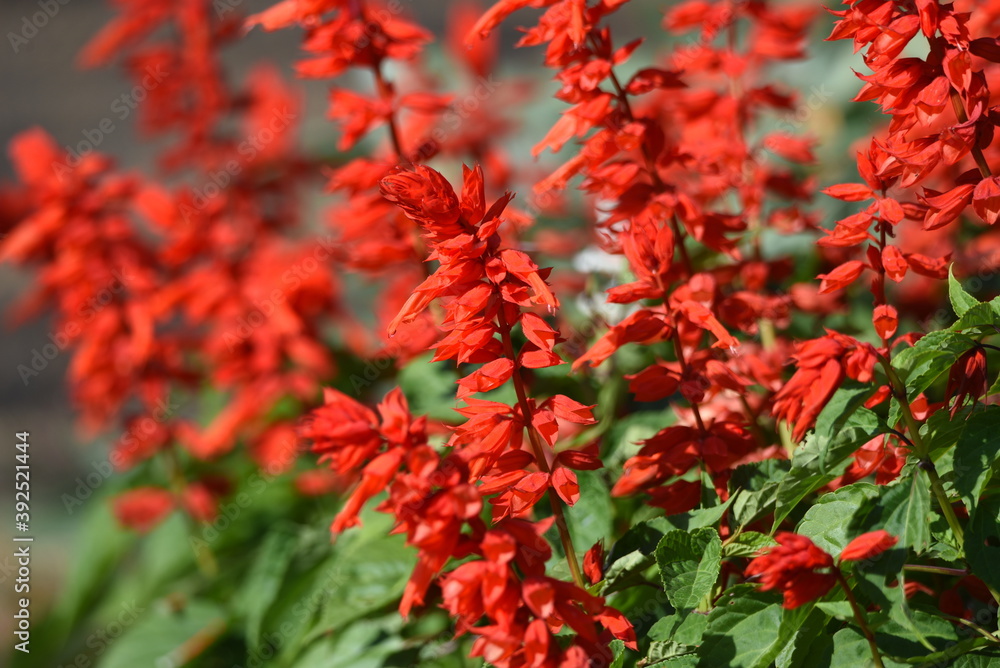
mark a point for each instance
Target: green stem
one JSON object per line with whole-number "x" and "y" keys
{"x": 769, "y": 339}
{"x": 922, "y": 451}
{"x": 203, "y": 557}
{"x": 860, "y": 618}
{"x": 522, "y": 398}
{"x": 921, "y": 568}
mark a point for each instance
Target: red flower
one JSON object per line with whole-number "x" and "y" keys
{"x": 968, "y": 378}
{"x": 868, "y": 545}
{"x": 143, "y": 508}
{"x": 822, "y": 365}
{"x": 796, "y": 567}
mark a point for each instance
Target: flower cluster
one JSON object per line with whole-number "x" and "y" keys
{"x": 668, "y": 381}
{"x": 486, "y": 290}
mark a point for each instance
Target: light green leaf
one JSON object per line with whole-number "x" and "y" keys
{"x": 689, "y": 565}
{"x": 838, "y": 609}
{"x": 851, "y": 650}
{"x": 961, "y": 300}
{"x": 832, "y": 520}
{"x": 618, "y": 652}
{"x": 747, "y": 544}
{"x": 922, "y": 364}
{"x": 167, "y": 637}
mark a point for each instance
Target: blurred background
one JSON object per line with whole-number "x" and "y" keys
{"x": 44, "y": 87}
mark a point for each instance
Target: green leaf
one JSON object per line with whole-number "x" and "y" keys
{"x": 907, "y": 511}
{"x": 831, "y": 522}
{"x": 976, "y": 453}
{"x": 625, "y": 570}
{"x": 367, "y": 576}
{"x": 838, "y": 609}
{"x": 979, "y": 316}
{"x": 757, "y": 484}
{"x": 977, "y": 661}
{"x": 683, "y": 628}
{"x": 264, "y": 580}
{"x": 429, "y": 386}
{"x": 747, "y": 544}
{"x": 689, "y": 565}
{"x": 810, "y": 644}
{"x": 961, "y": 300}
{"x": 363, "y": 644}
{"x": 618, "y": 654}
{"x": 100, "y": 546}
{"x": 982, "y": 538}
{"x": 921, "y": 364}
{"x": 748, "y": 629}
{"x": 591, "y": 516}
{"x": 851, "y": 650}
{"x": 631, "y": 554}
{"x": 824, "y": 455}
{"x": 167, "y": 637}
{"x": 706, "y": 517}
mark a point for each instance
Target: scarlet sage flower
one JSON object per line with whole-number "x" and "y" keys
{"x": 822, "y": 364}
{"x": 803, "y": 572}
{"x": 143, "y": 508}
{"x": 968, "y": 378}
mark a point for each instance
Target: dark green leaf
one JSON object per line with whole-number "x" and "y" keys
{"x": 982, "y": 541}
{"x": 264, "y": 580}
{"x": 976, "y": 453}
{"x": 907, "y": 510}
{"x": 748, "y": 629}
{"x": 822, "y": 458}
{"x": 757, "y": 484}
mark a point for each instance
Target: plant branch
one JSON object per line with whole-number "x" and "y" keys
{"x": 539, "y": 451}
{"x": 859, "y": 616}
{"x": 921, "y": 450}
